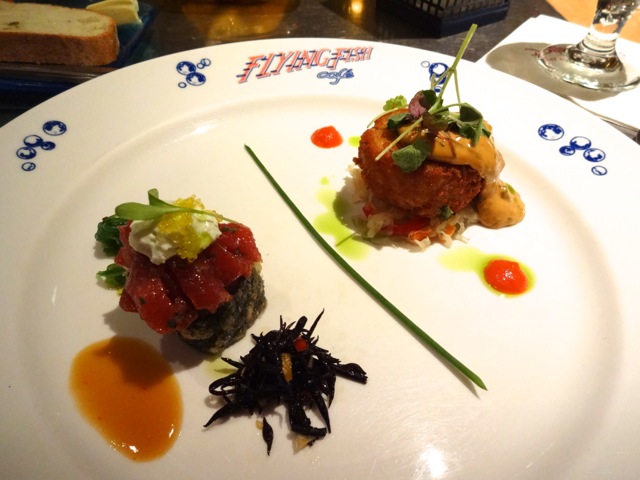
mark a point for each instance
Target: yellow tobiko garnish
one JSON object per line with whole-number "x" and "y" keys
{"x": 188, "y": 231}
{"x": 161, "y": 229}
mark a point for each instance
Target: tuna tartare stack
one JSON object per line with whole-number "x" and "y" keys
{"x": 187, "y": 270}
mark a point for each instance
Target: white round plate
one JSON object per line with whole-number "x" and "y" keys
{"x": 559, "y": 362}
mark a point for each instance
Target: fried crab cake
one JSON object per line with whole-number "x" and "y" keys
{"x": 423, "y": 192}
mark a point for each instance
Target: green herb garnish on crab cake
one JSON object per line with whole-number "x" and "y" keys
{"x": 422, "y": 158}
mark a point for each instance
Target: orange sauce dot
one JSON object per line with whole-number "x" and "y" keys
{"x": 326, "y": 137}
{"x": 128, "y": 393}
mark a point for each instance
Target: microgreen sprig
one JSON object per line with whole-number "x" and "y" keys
{"x": 395, "y": 103}
{"x": 392, "y": 105}
{"x": 468, "y": 119}
{"x": 156, "y": 209}
{"x": 375, "y": 294}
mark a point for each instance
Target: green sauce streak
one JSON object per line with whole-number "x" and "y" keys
{"x": 354, "y": 141}
{"x": 218, "y": 368}
{"x": 470, "y": 259}
{"x": 330, "y": 223}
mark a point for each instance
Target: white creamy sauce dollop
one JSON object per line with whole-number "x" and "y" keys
{"x": 147, "y": 239}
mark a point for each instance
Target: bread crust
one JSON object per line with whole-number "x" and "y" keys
{"x": 44, "y": 48}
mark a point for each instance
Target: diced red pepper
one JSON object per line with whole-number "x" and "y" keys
{"x": 300, "y": 344}
{"x": 405, "y": 228}
{"x": 368, "y": 209}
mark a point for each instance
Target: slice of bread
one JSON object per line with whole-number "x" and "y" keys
{"x": 41, "y": 33}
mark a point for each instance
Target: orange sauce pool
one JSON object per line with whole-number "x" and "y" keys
{"x": 128, "y": 392}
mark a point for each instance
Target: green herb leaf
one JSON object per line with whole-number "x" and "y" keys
{"x": 375, "y": 294}
{"x": 140, "y": 211}
{"x": 446, "y": 212}
{"x": 432, "y": 100}
{"x": 469, "y": 114}
{"x": 471, "y": 124}
{"x": 471, "y": 132}
{"x": 468, "y": 121}
{"x": 114, "y": 276}
{"x": 395, "y": 121}
{"x": 155, "y": 200}
{"x": 410, "y": 158}
{"x": 394, "y": 103}
{"x": 108, "y": 234}
{"x": 156, "y": 209}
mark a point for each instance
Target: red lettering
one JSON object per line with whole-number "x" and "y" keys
{"x": 318, "y": 60}
{"x": 283, "y": 59}
{"x": 264, "y": 72}
{"x": 253, "y": 63}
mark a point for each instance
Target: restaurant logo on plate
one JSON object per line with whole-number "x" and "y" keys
{"x": 334, "y": 60}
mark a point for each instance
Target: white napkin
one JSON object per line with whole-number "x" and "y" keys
{"x": 516, "y": 55}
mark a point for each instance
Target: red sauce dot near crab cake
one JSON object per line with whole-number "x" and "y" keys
{"x": 506, "y": 276}
{"x": 326, "y": 137}
{"x": 423, "y": 192}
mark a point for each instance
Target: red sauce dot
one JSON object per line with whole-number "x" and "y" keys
{"x": 326, "y": 137}
{"x": 506, "y": 276}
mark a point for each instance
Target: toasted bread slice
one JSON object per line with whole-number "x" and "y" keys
{"x": 49, "y": 34}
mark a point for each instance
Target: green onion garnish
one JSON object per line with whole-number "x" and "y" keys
{"x": 390, "y": 307}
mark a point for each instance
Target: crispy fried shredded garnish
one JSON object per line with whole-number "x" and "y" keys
{"x": 286, "y": 366}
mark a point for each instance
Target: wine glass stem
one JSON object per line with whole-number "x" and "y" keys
{"x": 598, "y": 48}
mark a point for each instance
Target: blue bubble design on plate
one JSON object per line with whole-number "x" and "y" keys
{"x": 551, "y": 131}
{"x": 578, "y": 143}
{"x": 54, "y": 128}
{"x": 191, "y": 74}
{"x": 594, "y": 155}
{"x": 437, "y": 69}
{"x": 32, "y": 144}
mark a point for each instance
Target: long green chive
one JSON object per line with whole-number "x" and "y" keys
{"x": 391, "y": 308}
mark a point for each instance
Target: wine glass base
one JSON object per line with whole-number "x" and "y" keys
{"x": 555, "y": 59}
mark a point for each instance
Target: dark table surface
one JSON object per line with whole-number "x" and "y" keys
{"x": 187, "y": 24}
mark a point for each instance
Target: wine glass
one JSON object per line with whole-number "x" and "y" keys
{"x": 594, "y": 62}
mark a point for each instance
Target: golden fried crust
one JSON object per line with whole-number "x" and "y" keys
{"x": 424, "y": 192}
